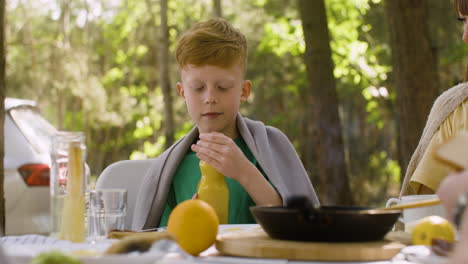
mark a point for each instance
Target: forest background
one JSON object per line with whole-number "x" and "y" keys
{"x": 350, "y": 82}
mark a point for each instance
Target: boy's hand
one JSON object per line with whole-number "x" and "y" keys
{"x": 222, "y": 153}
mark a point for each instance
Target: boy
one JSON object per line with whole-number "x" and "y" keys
{"x": 212, "y": 59}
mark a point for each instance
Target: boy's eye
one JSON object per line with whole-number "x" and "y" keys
{"x": 223, "y": 87}
{"x": 462, "y": 19}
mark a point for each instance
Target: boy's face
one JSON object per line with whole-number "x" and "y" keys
{"x": 213, "y": 95}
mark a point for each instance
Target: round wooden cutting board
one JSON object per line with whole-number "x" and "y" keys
{"x": 256, "y": 243}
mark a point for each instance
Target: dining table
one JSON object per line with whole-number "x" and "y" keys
{"x": 21, "y": 249}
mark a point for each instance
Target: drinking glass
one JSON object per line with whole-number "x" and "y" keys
{"x": 107, "y": 211}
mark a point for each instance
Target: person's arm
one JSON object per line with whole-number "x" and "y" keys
{"x": 460, "y": 254}
{"x": 449, "y": 190}
{"x": 429, "y": 172}
{"x": 258, "y": 187}
{"x": 222, "y": 153}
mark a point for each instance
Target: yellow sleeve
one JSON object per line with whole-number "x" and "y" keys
{"x": 429, "y": 171}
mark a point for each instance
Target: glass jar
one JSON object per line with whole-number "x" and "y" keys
{"x": 68, "y": 181}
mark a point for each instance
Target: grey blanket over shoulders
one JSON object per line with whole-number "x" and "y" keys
{"x": 272, "y": 149}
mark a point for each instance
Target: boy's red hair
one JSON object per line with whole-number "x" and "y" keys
{"x": 212, "y": 42}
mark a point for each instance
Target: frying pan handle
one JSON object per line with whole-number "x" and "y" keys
{"x": 304, "y": 205}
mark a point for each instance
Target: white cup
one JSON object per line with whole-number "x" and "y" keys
{"x": 412, "y": 215}
{"x": 107, "y": 211}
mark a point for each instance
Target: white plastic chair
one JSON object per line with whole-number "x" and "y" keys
{"x": 126, "y": 174}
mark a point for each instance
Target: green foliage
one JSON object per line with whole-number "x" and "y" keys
{"x": 114, "y": 75}
{"x": 143, "y": 128}
{"x": 381, "y": 162}
{"x": 283, "y": 36}
{"x": 384, "y": 173}
{"x": 150, "y": 150}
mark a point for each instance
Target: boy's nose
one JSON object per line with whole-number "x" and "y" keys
{"x": 210, "y": 96}
{"x": 210, "y": 100}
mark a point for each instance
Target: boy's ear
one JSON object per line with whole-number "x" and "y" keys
{"x": 246, "y": 88}
{"x": 180, "y": 89}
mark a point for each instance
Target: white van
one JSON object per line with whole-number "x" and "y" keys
{"x": 27, "y": 137}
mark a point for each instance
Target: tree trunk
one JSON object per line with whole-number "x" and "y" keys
{"x": 217, "y": 8}
{"x": 2, "y": 114}
{"x": 164, "y": 77}
{"x": 414, "y": 71}
{"x": 323, "y": 132}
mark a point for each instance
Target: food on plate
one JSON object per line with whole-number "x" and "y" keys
{"x": 194, "y": 223}
{"x": 213, "y": 189}
{"x": 141, "y": 242}
{"x": 54, "y": 257}
{"x": 432, "y": 227}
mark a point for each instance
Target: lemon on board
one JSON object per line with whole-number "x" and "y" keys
{"x": 194, "y": 223}
{"x": 432, "y": 227}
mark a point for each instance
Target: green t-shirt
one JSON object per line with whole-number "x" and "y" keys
{"x": 185, "y": 182}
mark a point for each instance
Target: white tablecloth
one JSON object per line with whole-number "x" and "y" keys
{"x": 21, "y": 249}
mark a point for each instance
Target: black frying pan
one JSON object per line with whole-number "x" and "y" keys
{"x": 299, "y": 220}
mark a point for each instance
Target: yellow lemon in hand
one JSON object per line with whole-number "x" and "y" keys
{"x": 194, "y": 223}
{"x": 432, "y": 227}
